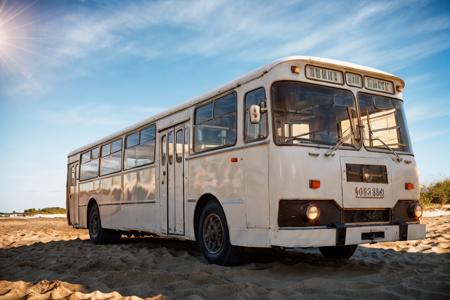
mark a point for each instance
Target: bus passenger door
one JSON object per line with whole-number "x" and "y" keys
{"x": 73, "y": 194}
{"x": 178, "y": 201}
{"x": 172, "y": 180}
{"x": 163, "y": 182}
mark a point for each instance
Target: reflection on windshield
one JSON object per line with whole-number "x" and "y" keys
{"x": 306, "y": 113}
{"x": 384, "y": 122}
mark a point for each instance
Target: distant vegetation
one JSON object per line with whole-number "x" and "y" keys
{"x": 44, "y": 211}
{"x": 436, "y": 193}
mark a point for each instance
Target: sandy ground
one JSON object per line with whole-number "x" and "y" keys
{"x": 45, "y": 258}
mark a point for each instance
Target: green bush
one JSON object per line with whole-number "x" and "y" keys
{"x": 44, "y": 211}
{"x": 436, "y": 193}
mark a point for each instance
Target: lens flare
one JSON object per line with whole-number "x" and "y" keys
{"x": 16, "y": 39}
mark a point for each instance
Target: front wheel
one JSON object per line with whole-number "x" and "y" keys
{"x": 214, "y": 238}
{"x": 338, "y": 252}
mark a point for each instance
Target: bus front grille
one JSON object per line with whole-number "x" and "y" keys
{"x": 366, "y": 215}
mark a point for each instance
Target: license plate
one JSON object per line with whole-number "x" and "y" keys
{"x": 369, "y": 192}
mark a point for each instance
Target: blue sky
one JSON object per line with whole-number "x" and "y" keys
{"x": 74, "y": 71}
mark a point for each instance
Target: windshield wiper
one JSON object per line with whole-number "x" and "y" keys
{"x": 343, "y": 137}
{"x": 299, "y": 136}
{"x": 387, "y": 146}
{"x": 339, "y": 143}
{"x": 372, "y": 138}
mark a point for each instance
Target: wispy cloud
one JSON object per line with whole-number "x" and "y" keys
{"x": 428, "y": 135}
{"x": 94, "y": 115}
{"x": 382, "y": 34}
{"x": 427, "y": 110}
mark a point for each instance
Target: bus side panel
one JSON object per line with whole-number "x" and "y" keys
{"x": 139, "y": 208}
{"x": 216, "y": 174}
{"x": 255, "y": 165}
{"x": 109, "y": 198}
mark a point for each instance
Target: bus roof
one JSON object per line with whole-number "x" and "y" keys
{"x": 238, "y": 82}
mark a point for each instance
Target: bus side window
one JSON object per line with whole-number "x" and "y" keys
{"x": 179, "y": 144}
{"x": 111, "y": 160}
{"x": 253, "y": 132}
{"x": 140, "y": 147}
{"x": 170, "y": 142}
{"x": 163, "y": 150}
{"x": 90, "y": 164}
{"x": 73, "y": 176}
{"x": 186, "y": 140}
{"x": 215, "y": 124}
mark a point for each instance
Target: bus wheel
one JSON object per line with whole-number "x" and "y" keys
{"x": 338, "y": 252}
{"x": 214, "y": 238}
{"x": 97, "y": 233}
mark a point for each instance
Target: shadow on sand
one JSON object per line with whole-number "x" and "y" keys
{"x": 151, "y": 266}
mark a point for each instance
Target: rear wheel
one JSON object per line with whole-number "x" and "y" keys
{"x": 97, "y": 233}
{"x": 214, "y": 237}
{"x": 338, "y": 252}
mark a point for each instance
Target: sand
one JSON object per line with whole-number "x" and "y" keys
{"x": 45, "y": 258}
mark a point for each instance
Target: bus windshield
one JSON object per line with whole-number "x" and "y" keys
{"x": 384, "y": 122}
{"x": 311, "y": 114}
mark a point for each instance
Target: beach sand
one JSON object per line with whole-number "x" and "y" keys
{"x": 45, "y": 258}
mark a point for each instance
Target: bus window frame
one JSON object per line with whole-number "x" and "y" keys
{"x": 124, "y": 146}
{"x": 314, "y": 145}
{"x": 110, "y": 154}
{"x": 375, "y": 149}
{"x": 90, "y": 159}
{"x": 246, "y": 141}
{"x": 213, "y": 103}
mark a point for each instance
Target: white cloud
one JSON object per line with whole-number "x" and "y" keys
{"x": 427, "y": 110}
{"x": 428, "y": 135}
{"x": 94, "y": 115}
{"x": 272, "y": 29}
{"x": 385, "y": 34}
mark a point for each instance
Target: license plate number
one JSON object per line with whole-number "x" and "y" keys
{"x": 369, "y": 192}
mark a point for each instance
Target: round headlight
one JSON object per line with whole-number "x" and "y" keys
{"x": 417, "y": 211}
{"x": 312, "y": 212}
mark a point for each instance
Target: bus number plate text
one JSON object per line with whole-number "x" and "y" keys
{"x": 369, "y": 192}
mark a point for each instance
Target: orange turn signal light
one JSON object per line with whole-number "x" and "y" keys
{"x": 409, "y": 186}
{"x": 234, "y": 159}
{"x": 295, "y": 69}
{"x": 314, "y": 184}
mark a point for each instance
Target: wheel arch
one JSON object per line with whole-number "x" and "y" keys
{"x": 201, "y": 203}
{"x": 91, "y": 203}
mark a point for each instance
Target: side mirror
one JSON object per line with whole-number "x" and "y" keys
{"x": 255, "y": 114}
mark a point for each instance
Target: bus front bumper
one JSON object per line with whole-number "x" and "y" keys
{"x": 346, "y": 235}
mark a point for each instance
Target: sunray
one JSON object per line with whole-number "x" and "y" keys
{"x": 17, "y": 41}
{"x": 25, "y": 50}
{"x": 17, "y": 68}
{"x": 2, "y": 5}
{"x": 16, "y": 13}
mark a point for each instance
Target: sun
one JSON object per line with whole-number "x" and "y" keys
{"x": 16, "y": 38}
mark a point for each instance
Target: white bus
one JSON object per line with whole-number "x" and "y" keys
{"x": 303, "y": 152}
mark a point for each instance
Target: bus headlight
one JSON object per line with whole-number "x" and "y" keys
{"x": 312, "y": 212}
{"x": 415, "y": 210}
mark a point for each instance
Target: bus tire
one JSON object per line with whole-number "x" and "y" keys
{"x": 338, "y": 252}
{"x": 214, "y": 237}
{"x": 98, "y": 234}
